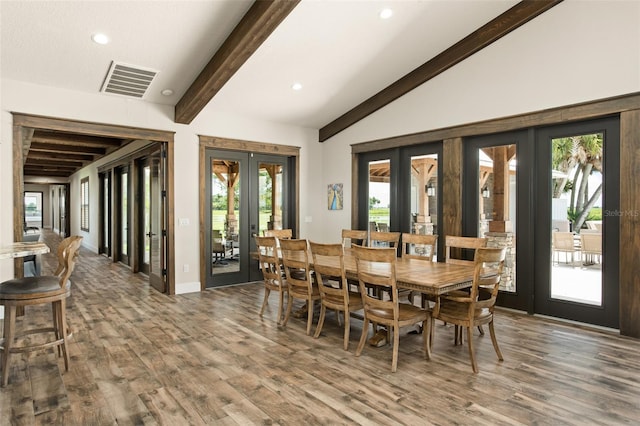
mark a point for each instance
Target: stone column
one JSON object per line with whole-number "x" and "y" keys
{"x": 505, "y": 240}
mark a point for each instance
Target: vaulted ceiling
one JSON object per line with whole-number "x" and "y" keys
{"x": 243, "y": 57}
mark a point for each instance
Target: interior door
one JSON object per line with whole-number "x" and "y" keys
{"x": 247, "y": 193}
{"x": 152, "y": 219}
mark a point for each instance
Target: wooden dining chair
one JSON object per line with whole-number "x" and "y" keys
{"x": 384, "y": 239}
{"x": 271, "y": 273}
{"x": 456, "y": 248}
{"x": 38, "y": 290}
{"x": 353, "y": 236}
{"x": 328, "y": 265}
{"x": 295, "y": 260}
{"x": 377, "y": 267}
{"x": 420, "y": 247}
{"x": 477, "y": 307}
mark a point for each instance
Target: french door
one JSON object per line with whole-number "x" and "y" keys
{"x": 122, "y": 214}
{"x": 526, "y": 189}
{"x": 398, "y": 190}
{"x": 578, "y": 201}
{"x": 151, "y": 220}
{"x": 245, "y": 194}
{"x": 496, "y": 197}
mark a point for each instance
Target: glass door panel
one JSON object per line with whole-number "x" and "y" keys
{"x": 225, "y": 207}
{"x": 270, "y": 196}
{"x": 424, "y": 195}
{"x": 122, "y": 198}
{"x": 576, "y": 230}
{"x": 379, "y": 190}
{"x": 497, "y": 204}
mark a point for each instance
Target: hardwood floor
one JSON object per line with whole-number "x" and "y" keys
{"x": 140, "y": 357}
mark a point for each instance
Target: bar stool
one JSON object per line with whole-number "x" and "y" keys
{"x": 39, "y": 290}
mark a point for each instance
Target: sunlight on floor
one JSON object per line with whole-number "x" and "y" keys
{"x": 577, "y": 282}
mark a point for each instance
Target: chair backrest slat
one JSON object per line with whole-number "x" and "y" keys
{"x": 353, "y": 236}
{"x": 468, "y": 243}
{"x": 418, "y": 246}
{"x": 278, "y": 233}
{"x": 384, "y": 239}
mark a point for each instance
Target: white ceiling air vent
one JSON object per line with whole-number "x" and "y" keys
{"x": 128, "y": 80}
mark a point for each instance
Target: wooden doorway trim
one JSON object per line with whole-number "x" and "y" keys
{"x": 25, "y": 124}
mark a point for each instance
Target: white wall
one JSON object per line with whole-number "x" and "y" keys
{"x": 575, "y": 52}
{"x": 54, "y": 102}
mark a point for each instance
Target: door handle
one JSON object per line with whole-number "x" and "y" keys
{"x": 150, "y": 234}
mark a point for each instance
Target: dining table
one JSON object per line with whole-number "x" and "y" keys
{"x": 422, "y": 276}
{"x": 23, "y": 249}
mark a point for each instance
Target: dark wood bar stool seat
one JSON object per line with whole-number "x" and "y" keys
{"x": 39, "y": 290}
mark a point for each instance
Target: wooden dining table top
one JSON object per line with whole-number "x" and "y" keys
{"x": 420, "y": 275}
{"x": 23, "y": 249}
{"x": 415, "y": 274}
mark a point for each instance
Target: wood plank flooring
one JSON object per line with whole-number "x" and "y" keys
{"x": 140, "y": 357}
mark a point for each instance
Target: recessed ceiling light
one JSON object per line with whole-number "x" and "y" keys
{"x": 167, "y": 92}
{"x": 296, "y": 86}
{"x": 386, "y": 13}
{"x": 100, "y": 38}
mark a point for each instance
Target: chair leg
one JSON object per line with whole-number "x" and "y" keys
{"x": 288, "y": 314}
{"x": 309, "y": 316}
{"x": 495, "y": 341}
{"x": 56, "y": 326}
{"x": 265, "y": 301}
{"x": 396, "y": 344}
{"x": 62, "y": 321}
{"x": 323, "y": 312}
{"x": 363, "y": 336}
{"x": 280, "y": 306}
{"x": 347, "y": 329}
{"x": 426, "y": 335}
{"x": 9, "y": 333}
{"x": 472, "y": 355}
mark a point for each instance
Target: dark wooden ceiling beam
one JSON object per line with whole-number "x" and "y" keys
{"x": 71, "y": 165}
{"x": 75, "y": 139}
{"x": 47, "y": 147}
{"x": 45, "y": 173}
{"x": 513, "y": 18}
{"x": 59, "y": 156}
{"x": 254, "y": 28}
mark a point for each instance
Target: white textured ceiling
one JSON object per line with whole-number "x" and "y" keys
{"x": 340, "y": 51}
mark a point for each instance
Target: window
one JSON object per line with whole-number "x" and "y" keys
{"x": 84, "y": 204}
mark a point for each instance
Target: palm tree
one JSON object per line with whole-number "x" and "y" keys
{"x": 582, "y": 155}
